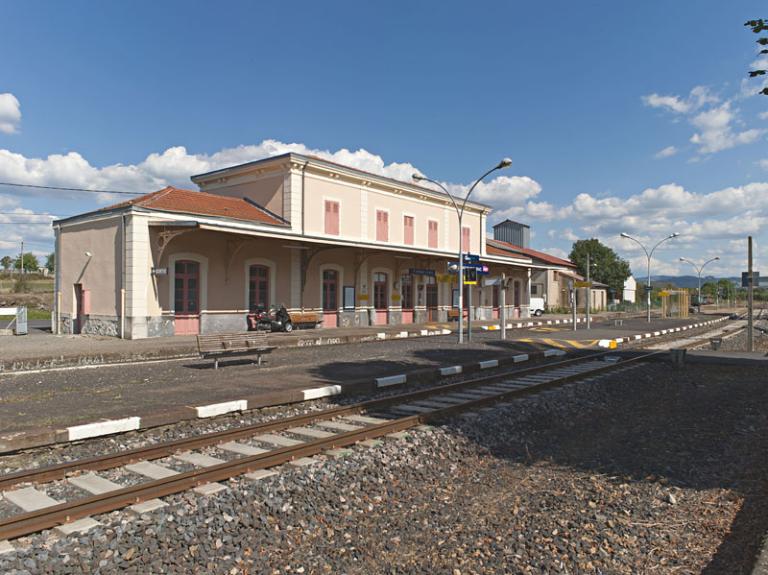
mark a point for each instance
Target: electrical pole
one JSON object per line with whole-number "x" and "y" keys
{"x": 750, "y": 286}
{"x": 503, "y": 302}
{"x": 21, "y": 259}
{"x": 589, "y": 293}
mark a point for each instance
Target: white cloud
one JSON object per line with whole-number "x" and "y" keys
{"x": 667, "y": 152}
{"x": 699, "y": 96}
{"x": 10, "y": 113}
{"x": 715, "y": 131}
{"x": 763, "y": 115}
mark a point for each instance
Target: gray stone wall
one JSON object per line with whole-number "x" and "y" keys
{"x": 101, "y": 325}
{"x": 223, "y": 323}
{"x": 394, "y": 317}
{"x": 160, "y": 326}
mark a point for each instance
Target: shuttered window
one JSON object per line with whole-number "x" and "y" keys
{"x": 332, "y": 218}
{"x": 408, "y": 230}
{"x": 432, "y": 234}
{"x": 382, "y": 226}
{"x": 465, "y": 245}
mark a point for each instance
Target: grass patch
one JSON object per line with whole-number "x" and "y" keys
{"x": 31, "y": 314}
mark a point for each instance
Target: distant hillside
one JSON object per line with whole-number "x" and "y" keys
{"x": 693, "y": 281}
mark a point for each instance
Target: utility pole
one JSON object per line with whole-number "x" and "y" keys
{"x": 750, "y": 286}
{"x": 21, "y": 259}
{"x": 503, "y": 302}
{"x": 589, "y": 292}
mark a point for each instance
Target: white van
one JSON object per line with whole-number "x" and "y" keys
{"x": 537, "y": 306}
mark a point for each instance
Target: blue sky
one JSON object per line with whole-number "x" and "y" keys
{"x": 618, "y": 116}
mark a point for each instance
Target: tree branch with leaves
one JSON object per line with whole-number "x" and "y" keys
{"x": 758, "y": 27}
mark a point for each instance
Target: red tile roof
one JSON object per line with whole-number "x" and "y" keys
{"x": 499, "y": 248}
{"x": 172, "y": 199}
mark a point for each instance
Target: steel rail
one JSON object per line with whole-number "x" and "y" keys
{"x": 34, "y": 521}
{"x": 148, "y": 453}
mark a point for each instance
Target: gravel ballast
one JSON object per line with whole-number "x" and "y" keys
{"x": 647, "y": 471}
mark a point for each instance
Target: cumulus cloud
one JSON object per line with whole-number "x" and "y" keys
{"x": 10, "y": 113}
{"x": 713, "y": 121}
{"x": 698, "y": 97}
{"x": 667, "y": 152}
{"x": 716, "y": 133}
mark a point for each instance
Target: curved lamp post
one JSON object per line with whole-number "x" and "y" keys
{"x": 698, "y": 272}
{"x": 649, "y": 255}
{"x": 505, "y": 163}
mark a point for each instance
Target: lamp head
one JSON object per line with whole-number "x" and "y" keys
{"x": 623, "y": 235}
{"x": 88, "y": 254}
{"x": 505, "y": 163}
{"x": 717, "y": 257}
{"x": 417, "y": 177}
{"x": 674, "y": 235}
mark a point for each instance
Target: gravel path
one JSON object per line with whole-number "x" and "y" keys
{"x": 649, "y": 471}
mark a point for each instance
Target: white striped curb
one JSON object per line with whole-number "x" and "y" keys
{"x": 519, "y": 358}
{"x": 553, "y": 352}
{"x": 318, "y": 392}
{"x": 390, "y": 380}
{"x": 489, "y": 363}
{"x": 214, "y": 409}
{"x": 612, "y": 343}
{"x": 106, "y": 427}
{"x": 452, "y": 370}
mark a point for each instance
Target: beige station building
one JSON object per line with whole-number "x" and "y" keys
{"x": 346, "y": 247}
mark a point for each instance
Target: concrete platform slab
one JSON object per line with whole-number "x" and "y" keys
{"x": 366, "y": 419}
{"x": 370, "y": 443}
{"x": 151, "y": 470}
{"x": 310, "y": 432}
{"x": 338, "y": 425}
{"x": 93, "y": 483}
{"x": 209, "y": 488}
{"x": 336, "y": 453}
{"x": 198, "y": 459}
{"x": 259, "y": 474}
{"x": 79, "y": 526}
{"x": 241, "y": 448}
{"x": 304, "y": 462}
{"x": 30, "y": 499}
{"x": 277, "y": 440}
{"x": 146, "y": 506}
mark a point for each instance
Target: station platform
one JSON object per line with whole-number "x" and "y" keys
{"x": 43, "y": 407}
{"x": 41, "y": 350}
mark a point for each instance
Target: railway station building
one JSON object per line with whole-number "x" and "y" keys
{"x": 332, "y": 243}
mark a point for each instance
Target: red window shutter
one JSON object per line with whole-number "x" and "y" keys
{"x": 332, "y": 218}
{"x": 433, "y": 234}
{"x": 382, "y": 226}
{"x": 408, "y": 230}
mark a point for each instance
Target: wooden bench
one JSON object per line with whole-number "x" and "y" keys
{"x": 306, "y": 319}
{"x": 230, "y": 344}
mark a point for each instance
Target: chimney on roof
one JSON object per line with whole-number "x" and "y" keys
{"x": 513, "y": 233}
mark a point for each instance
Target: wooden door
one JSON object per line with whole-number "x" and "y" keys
{"x": 380, "y": 297}
{"x": 431, "y": 299}
{"x": 187, "y": 297}
{"x": 330, "y": 298}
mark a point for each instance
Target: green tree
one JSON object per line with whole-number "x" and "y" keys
{"x": 607, "y": 267}
{"x": 30, "y": 263}
{"x": 50, "y": 262}
{"x": 6, "y": 262}
{"x": 757, "y": 27}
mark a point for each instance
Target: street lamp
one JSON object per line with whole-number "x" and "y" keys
{"x": 649, "y": 255}
{"x": 698, "y": 271}
{"x": 505, "y": 163}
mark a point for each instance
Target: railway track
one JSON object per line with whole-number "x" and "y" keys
{"x": 256, "y": 448}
